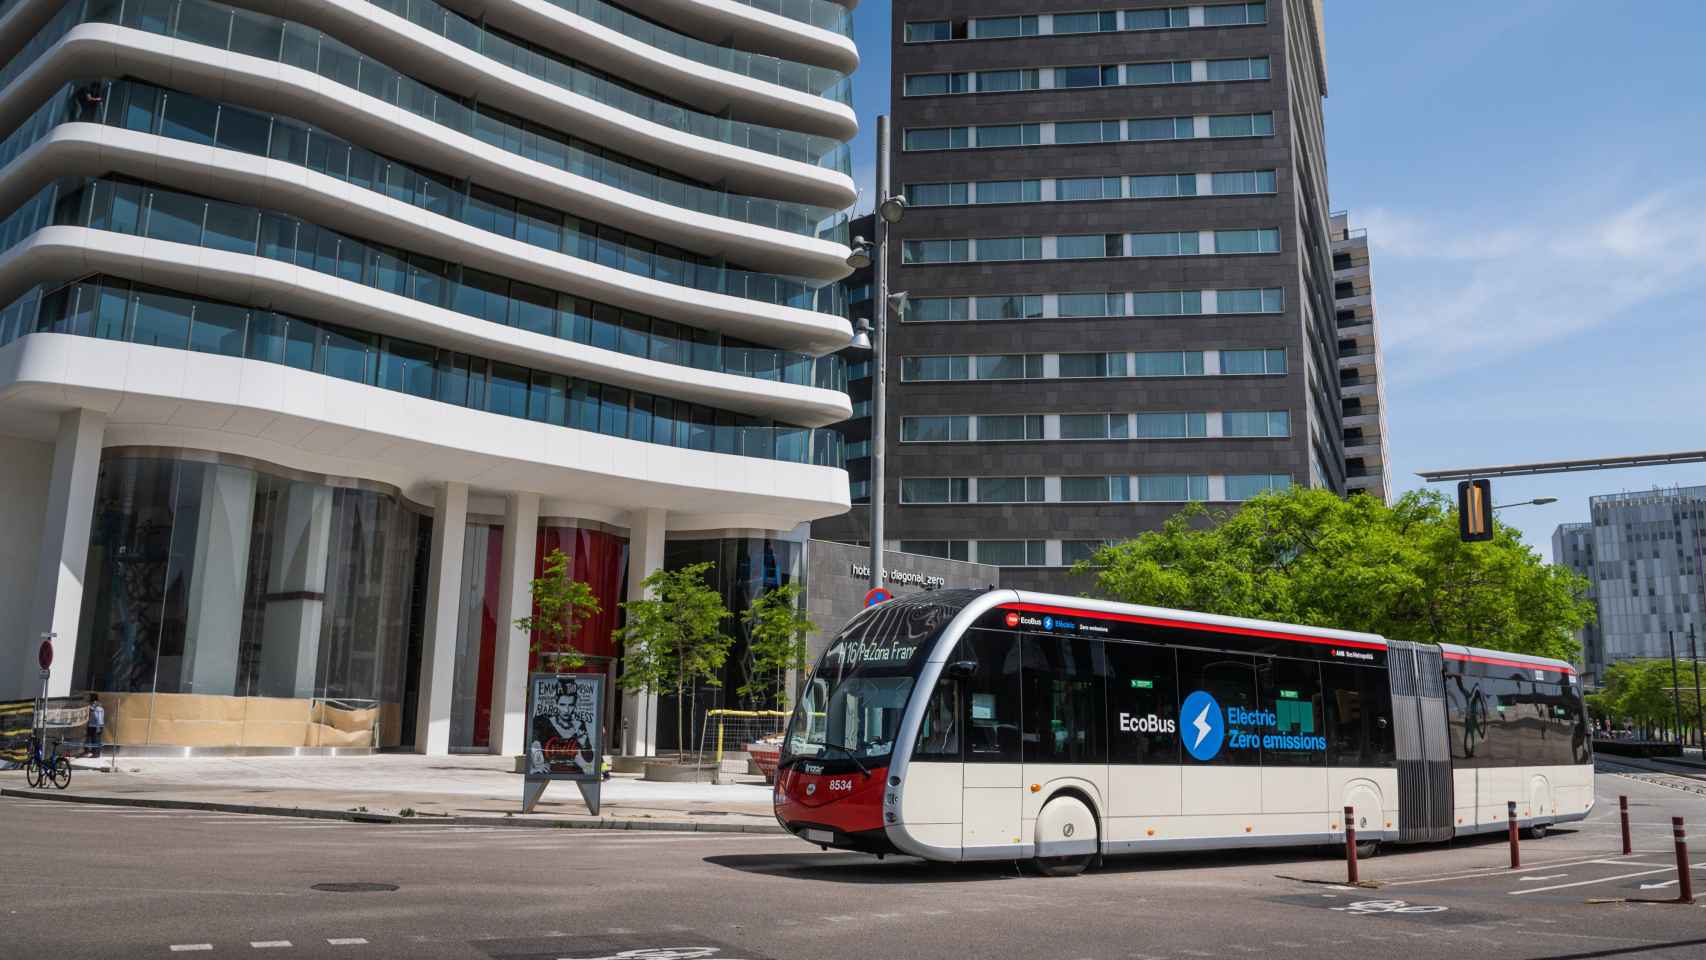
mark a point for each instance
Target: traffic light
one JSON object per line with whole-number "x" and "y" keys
{"x": 1475, "y": 510}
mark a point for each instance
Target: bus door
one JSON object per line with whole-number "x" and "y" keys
{"x": 989, "y": 661}
{"x": 1064, "y": 727}
{"x": 931, "y": 804}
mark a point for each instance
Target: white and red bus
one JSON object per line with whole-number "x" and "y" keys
{"x": 999, "y": 724}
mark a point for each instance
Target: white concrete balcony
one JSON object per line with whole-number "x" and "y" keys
{"x": 155, "y": 396}
{"x": 804, "y": 30}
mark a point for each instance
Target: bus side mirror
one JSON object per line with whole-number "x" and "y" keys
{"x": 962, "y": 669}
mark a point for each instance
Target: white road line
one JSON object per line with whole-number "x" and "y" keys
{"x": 190, "y": 947}
{"x": 1585, "y": 883}
{"x": 1492, "y": 871}
{"x": 346, "y": 941}
{"x": 268, "y": 944}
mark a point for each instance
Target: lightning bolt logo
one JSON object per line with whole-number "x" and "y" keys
{"x": 1201, "y": 712}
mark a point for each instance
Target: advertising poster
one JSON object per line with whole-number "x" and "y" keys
{"x": 564, "y": 739}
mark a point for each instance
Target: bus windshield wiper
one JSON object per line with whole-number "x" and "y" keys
{"x": 862, "y": 768}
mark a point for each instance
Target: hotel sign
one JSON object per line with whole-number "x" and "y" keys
{"x": 926, "y": 580}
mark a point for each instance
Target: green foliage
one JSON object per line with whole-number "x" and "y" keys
{"x": 1640, "y": 692}
{"x": 674, "y": 637}
{"x": 776, "y": 627}
{"x": 1306, "y": 556}
{"x": 560, "y": 604}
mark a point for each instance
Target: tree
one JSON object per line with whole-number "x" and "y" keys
{"x": 1307, "y": 556}
{"x": 560, "y": 605}
{"x": 776, "y": 629}
{"x": 674, "y": 638}
{"x": 1640, "y": 692}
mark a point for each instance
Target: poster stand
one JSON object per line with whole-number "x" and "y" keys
{"x": 565, "y": 740}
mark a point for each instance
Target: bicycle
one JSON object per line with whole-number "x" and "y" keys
{"x": 52, "y": 768}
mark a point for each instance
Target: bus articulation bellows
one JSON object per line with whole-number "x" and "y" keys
{"x": 999, "y": 724}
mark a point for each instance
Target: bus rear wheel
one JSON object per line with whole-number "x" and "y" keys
{"x": 1066, "y": 821}
{"x": 1367, "y": 849}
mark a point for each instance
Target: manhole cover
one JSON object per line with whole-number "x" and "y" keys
{"x": 355, "y": 887}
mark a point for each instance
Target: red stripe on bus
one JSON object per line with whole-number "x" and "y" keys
{"x": 1495, "y": 661}
{"x": 1191, "y": 624}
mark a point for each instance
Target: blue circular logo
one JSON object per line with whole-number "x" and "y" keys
{"x": 1048, "y": 623}
{"x": 1203, "y": 725}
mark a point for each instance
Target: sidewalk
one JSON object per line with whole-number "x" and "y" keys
{"x": 455, "y": 789}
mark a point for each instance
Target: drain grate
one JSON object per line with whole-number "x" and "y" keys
{"x": 354, "y": 887}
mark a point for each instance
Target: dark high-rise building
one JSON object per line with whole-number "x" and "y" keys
{"x": 1119, "y": 268}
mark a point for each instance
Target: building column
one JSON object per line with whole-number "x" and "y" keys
{"x": 211, "y": 638}
{"x": 58, "y": 604}
{"x": 515, "y": 600}
{"x": 645, "y": 555}
{"x": 438, "y": 640}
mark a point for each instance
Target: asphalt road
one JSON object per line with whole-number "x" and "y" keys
{"x": 91, "y": 881}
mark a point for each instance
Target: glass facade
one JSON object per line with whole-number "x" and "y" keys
{"x": 744, "y": 568}
{"x": 476, "y": 637}
{"x": 235, "y": 605}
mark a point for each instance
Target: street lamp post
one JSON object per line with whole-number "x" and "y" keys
{"x": 1699, "y": 712}
{"x": 1536, "y": 502}
{"x": 874, "y": 334}
{"x": 1675, "y": 689}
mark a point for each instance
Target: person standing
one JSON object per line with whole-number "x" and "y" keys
{"x": 97, "y": 724}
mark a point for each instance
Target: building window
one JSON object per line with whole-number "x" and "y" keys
{"x": 1164, "y": 244}
{"x": 1145, "y": 74}
{"x": 1266, "y": 300}
{"x": 1162, "y": 128}
{"x": 946, "y": 549}
{"x": 1103, "y": 21}
{"x": 937, "y": 194}
{"x": 1171, "y": 426}
{"x": 996, "y": 28}
{"x": 1245, "y": 487}
{"x": 1172, "y": 489}
{"x": 1012, "y": 553}
{"x": 1009, "y": 135}
{"x": 1006, "y": 81}
{"x": 934, "y": 490}
{"x": 1075, "y": 366}
{"x": 936, "y": 84}
{"x": 1010, "y": 308}
{"x": 1087, "y": 131}
{"x": 1242, "y": 125}
{"x": 1081, "y": 551}
{"x": 1095, "y": 490}
{"x": 1244, "y": 181}
{"x": 940, "y": 429}
{"x": 938, "y": 138}
{"x": 1245, "y": 362}
{"x": 1166, "y": 303}
{"x": 1235, "y": 14}
{"x": 1066, "y": 78}
{"x": 1256, "y": 423}
{"x": 1164, "y": 185}
{"x": 1088, "y": 188}
{"x": 1092, "y": 426}
{"x": 1169, "y": 364}
{"x": 1253, "y": 68}
{"x": 1010, "y": 490}
{"x": 1008, "y": 191}
{"x": 936, "y": 251}
{"x": 1010, "y": 366}
{"x": 937, "y": 310}
{"x": 1166, "y": 18}
{"x": 935, "y": 368}
{"x": 1246, "y": 241}
{"x": 1017, "y": 426}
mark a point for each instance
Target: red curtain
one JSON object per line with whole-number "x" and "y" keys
{"x": 601, "y": 560}
{"x": 488, "y": 634}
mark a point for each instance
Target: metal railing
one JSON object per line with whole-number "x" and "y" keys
{"x": 259, "y": 35}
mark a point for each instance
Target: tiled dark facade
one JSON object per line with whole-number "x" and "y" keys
{"x": 1309, "y": 390}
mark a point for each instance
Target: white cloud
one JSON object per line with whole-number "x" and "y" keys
{"x": 1453, "y": 294}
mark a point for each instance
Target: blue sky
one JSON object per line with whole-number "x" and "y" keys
{"x": 1530, "y": 174}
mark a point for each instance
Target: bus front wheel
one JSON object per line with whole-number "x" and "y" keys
{"x": 1066, "y": 837}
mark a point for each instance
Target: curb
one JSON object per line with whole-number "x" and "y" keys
{"x": 313, "y": 813}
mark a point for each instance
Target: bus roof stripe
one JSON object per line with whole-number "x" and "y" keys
{"x": 1519, "y": 664}
{"x": 1193, "y": 625}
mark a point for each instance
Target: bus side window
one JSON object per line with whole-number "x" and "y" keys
{"x": 1063, "y": 697}
{"x": 991, "y": 717}
{"x": 939, "y": 734}
{"x": 1359, "y": 716}
{"x": 1143, "y": 704}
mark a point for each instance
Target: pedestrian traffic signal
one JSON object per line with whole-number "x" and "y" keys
{"x": 1475, "y": 510}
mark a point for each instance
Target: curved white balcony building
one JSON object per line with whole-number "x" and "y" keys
{"x": 307, "y": 364}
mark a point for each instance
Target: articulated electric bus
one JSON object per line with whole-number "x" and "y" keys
{"x": 998, "y": 724}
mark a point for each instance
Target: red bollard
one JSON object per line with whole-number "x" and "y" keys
{"x": 1685, "y": 881}
{"x": 1623, "y": 808}
{"x": 1516, "y": 855}
{"x": 1351, "y": 844}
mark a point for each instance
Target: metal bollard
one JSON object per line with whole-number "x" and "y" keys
{"x": 1351, "y": 845}
{"x": 1516, "y": 855}
{"x": 1685, "y": 881}
{"x": 1623, "y": 809}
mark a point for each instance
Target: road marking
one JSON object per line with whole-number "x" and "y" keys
{"x": 1549, "y": 876}
{"x": 268, "y": 944}
{"x": 346, "y": 941}
{"x": 1494, "y": 871}
{"x": 1658, "y": 886}
{"x": 190, "y": 947}
{"x": 1584, "y": 883}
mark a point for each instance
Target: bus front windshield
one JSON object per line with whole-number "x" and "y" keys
{"x": 853, "y": 704}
